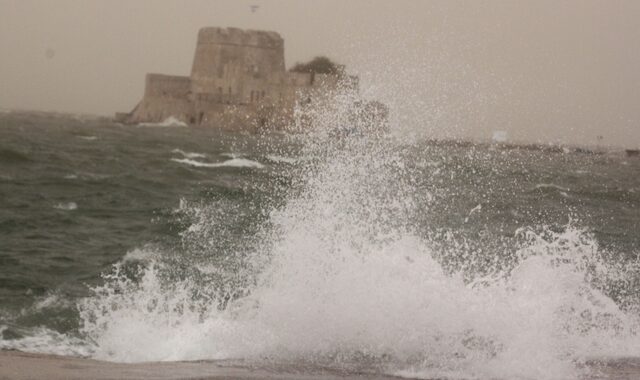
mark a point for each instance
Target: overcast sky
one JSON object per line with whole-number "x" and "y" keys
{"x": 545, "y": 71}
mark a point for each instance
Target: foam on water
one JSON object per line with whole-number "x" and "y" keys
{"x": 67, "y": 206}
{"x": 168, "y": 122}
{"x": 232, "y": 155}
{"x": 189, "y": 154}
{"x": 551, "y": 186}
{"x": 46, "y": 341}
{"x": 232, "y": 163}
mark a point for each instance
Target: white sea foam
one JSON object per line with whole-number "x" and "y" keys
{"x": 144, "y": 254}
{"x": 46, "y": 341}
{"x": 551, "y": 186}
{"x": 89, "y": 138}
{"x": 52, "y": 301}
{"x": 168, "y": 122}
{"x": 189, "y": 154}
{"x": 232, "y": 155}
{"x": 232, "y": 163}
{"x": 68, "y": 206}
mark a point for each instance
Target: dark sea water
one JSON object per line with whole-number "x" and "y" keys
{"x": 417, "y": 258}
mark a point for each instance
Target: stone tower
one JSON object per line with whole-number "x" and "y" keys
{"x": 236, "y": 66}
{"x": 238, "y": 81}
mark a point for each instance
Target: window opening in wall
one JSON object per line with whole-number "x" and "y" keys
{"x": 262, "y": 95}
{"x": 251, "y": 96}
{"x": 200, "y": 117}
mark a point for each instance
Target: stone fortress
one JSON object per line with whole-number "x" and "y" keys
{"x": 238, "y": 81}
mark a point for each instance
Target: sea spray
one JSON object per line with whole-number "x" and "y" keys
{"x": 340, "y": 274}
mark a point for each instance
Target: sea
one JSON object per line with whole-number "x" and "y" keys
{"x": 377, "y": 251}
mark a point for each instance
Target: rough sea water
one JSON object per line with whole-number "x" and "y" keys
{"x": 416, "y": 258}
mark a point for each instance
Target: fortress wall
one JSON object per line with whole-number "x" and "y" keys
{"x": 226, "y": 116}
{"x": 164, "y": 96}
{"x": 155, "y": 110}
{"x": 160, "y": 85}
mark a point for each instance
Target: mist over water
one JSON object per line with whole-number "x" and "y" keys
{"x": 371, "y": 252}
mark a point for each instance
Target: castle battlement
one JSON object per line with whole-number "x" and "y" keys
{"x": 234, "y": 36}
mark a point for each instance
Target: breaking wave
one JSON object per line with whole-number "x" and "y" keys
{"x": 341, "y": 274}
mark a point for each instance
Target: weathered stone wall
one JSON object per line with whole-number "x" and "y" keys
{"x": 233, "y": 62}
{"x": 164, "y": 96}
{"x": 160, "y": 85}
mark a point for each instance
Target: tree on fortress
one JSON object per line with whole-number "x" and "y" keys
{"x": 318, "y": 65}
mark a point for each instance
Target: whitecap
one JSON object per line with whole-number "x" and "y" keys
{"x": 171, "y": 121}
{"x": 232, "y": 155}
{"x": 233, "y": 163}
{"x": 89, "y": 138}
{"x": 68, "y": 206}
{"x": 189, "y": 154}
{"x": 551, "y": 186}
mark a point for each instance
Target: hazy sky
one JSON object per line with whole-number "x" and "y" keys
{"x": 542, "y": 70}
